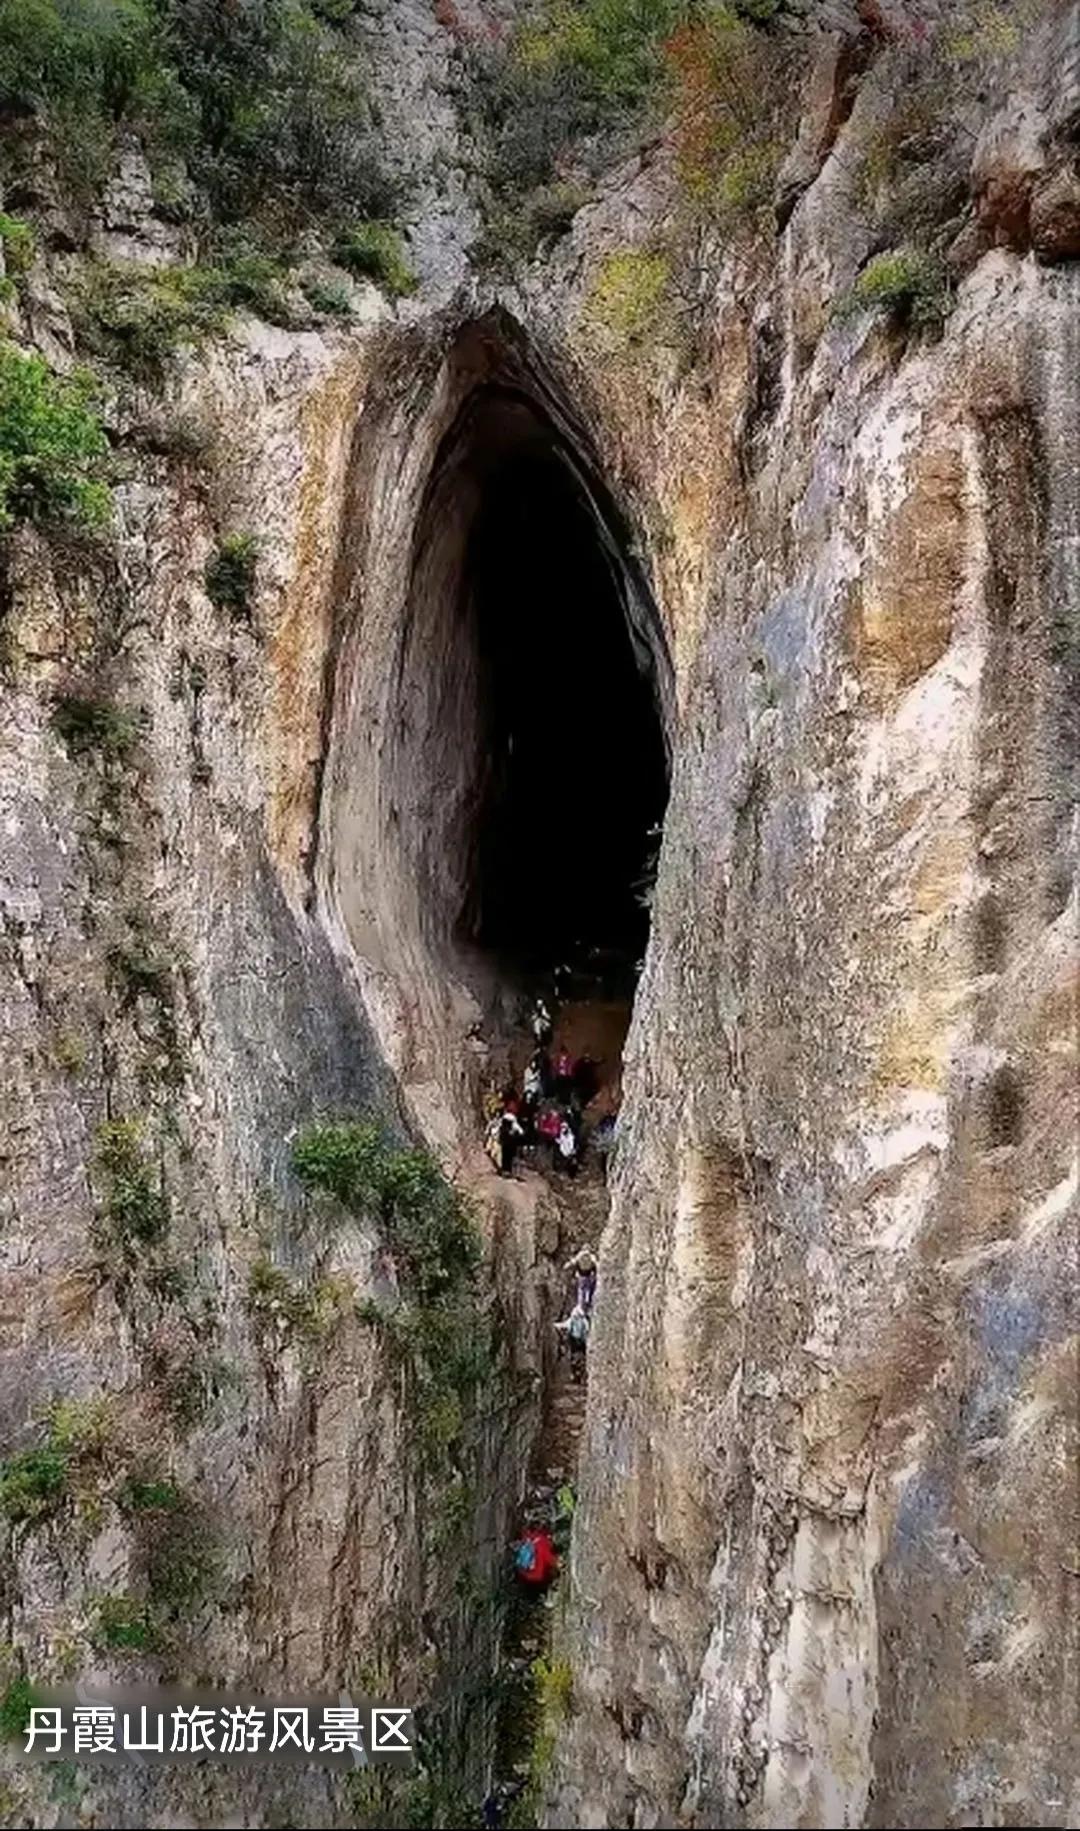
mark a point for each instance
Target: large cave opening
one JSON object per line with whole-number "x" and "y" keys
{"x": 503, "y": 702}
{"x": 573, "y": 777}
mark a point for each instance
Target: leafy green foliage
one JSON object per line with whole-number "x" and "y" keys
{"x": 52, "y": 445}
{"x": 138, "y": 319}
{"x": 545, "y": 1705}
{"x": 419, "y": 1210}
{"x": 33, "y": 1483}
{"x": 83, "y": 66}
{"x": 230, "y": 574}
{"x": 280, "y": 120}
{"x": 374, "y": 251}
{"x": 88, "y": 725}
{"x": 18, "y": 242}
{"x": 38, "y": 1481}
{"x": 264, "y": 99}
{"x": 15, "y": 1707}
{"x": 150, "y": 1494}
{"x": 580, "y": 80}
{"x": 330, "y": 298}
{"x": 628, "y": 295}
{"x": 515, "y": 230}
{"x": 906, "y": 284}
{"x": 441, "y": 1329}
{"x": 730, "y": 86}
{"x": 572, "y": 70}
{"x": 135, "y": 1205}
{"x": 307, "y": 1312}
{"x": 126, "y": 1625}
{"x": 614, "y": 47}
{"x": 177, "y": 1562}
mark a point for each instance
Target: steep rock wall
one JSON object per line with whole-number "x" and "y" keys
{"x": 163, "y": 972}
{"x": 821, "y": 1558}
{"x": 821, "y": 1564}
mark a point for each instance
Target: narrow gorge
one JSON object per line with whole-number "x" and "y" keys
{"x": 573, "y": 500}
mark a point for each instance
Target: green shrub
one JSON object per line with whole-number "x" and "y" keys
{"x": 33, "y": 1484}
{"x": 150, "y": 1495}
{"x": 71, "y": 1052}
{"x": 405, "y": 1190}
{"x": 629, "y": 293}
{"x": 616, "y": 45}
{"x": 574, "y": 74}
{"x": 37, "y": 1482}
{"x": 18, "y": 1701}
{"x": 138, "y": 319}
{"x": 265, "y": 101}
{"x": 245, "y": 278}
{"x": 330, "y": 298}
{"x": 18, "y": 242}
{"x": 281, "y": 120}
{"x": 347, "y": 1159}
{"x": 80, "y": 1427}
{"x": 905, "y": 284}
{"x": 124, "y": 1624}
{"x": 82, "y": 69}
{"x": 374, "y": 251}
{"x": 135, "y": 1205}
{"x": 230, "y": 574}
{"x": 515, "y": 230}
{"x": 52, "y": 445}
{"x": 306, "y": 1311}
{"x": 544, "y": 1705}
{"x": 88, "y": 725}
{"x": 440, "y": 1328}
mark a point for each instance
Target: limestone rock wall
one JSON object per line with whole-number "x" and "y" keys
{"x": 163, "y": 971}
{"x": 822, "y": 1558}
{"x": 822, "y": 1572}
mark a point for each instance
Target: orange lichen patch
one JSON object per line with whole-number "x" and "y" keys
{"x": 298, "y": 647}
{"x": 903, "y": 620}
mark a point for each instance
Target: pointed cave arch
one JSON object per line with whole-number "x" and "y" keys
{"x": 504, "y": 705}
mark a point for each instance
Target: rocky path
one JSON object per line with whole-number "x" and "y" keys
{"x": 553, "y": 1469}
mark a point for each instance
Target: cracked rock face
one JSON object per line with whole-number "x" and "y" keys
{"x": 823, "y": 1551}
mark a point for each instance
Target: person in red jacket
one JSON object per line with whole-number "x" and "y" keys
{"x": 536, "y": 1560}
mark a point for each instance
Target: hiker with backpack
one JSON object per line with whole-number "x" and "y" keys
{"x": 575, "y": 1332}
{"x": 536, "y": 1560}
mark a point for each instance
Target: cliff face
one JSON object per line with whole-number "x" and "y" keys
{"x": 821, "y": 1564}
{"x": 822, "y": 1555}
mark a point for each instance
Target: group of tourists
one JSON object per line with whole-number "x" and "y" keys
{"x": 547, "y": 1112}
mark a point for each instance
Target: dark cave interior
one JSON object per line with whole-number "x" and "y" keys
{"x": 574, "y": 779}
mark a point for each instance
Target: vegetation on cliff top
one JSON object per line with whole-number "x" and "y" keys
{"x": 257, "y": 126}
{"x": 264, "y": 101}
{"x": 578, "y": 80}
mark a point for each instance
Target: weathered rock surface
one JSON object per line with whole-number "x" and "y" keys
{"x": 825, "y": 1546}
